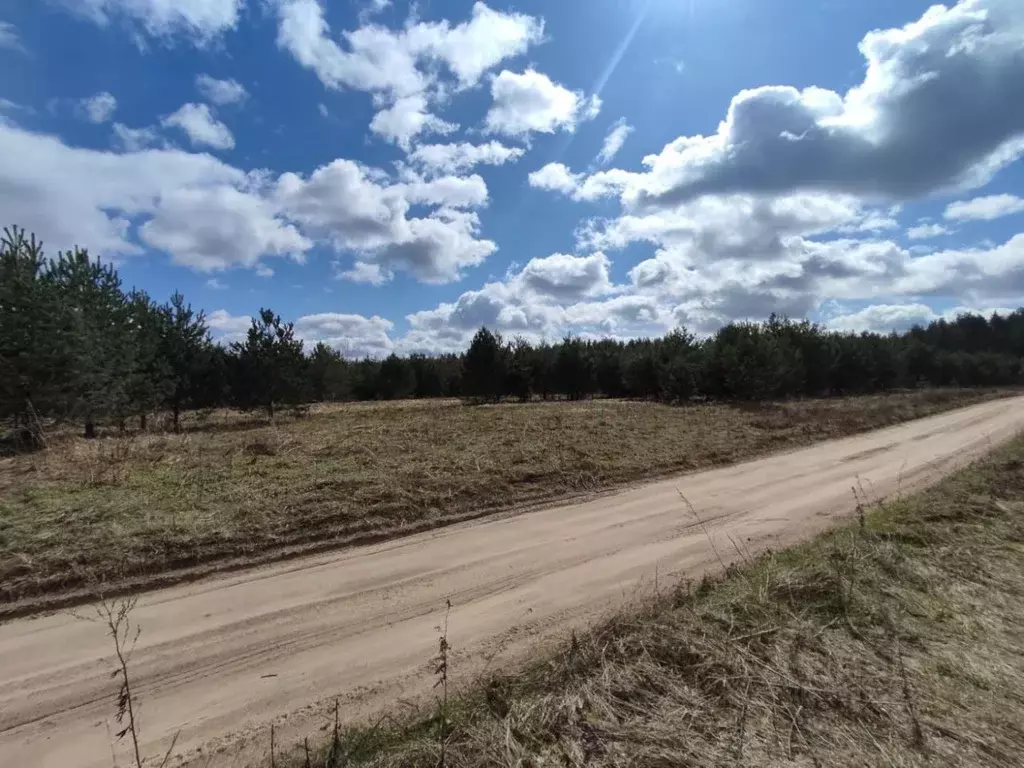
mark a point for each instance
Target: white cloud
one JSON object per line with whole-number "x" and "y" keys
{"x": 917, "y": 124}
{"x": 372, "y": 8}
{"x": 532, "y": 103}
{"x": 926, "y": 231}
{"x": 6, "y": 105}
{"x": 733, "y": 226}
{"x": 566, "y": 277}
{"x": 199, "y": 19}
{"x": 374, "y": 59}
{"x": 456, "y": 158}
{"x": 219, "y": 227}
{"x": 215, "y": 285}
{"x": 227, "y": 328}
{"x": 472, "y": 48}
{"x": 134, "y": 139}
{"x": 406, "y": 119}
{"x": 359, "y": 211}
{"x": 73, "y": 196}
{"x": 369, "y": 274}
{"x": 449, "y": 191}
{"x": 986, "y": 208}
{"x": 9, "y": 37}
{"x": 202, "y": 127}
{"x": 398, "y": 64}
{"x": 884, "y": 318}
{"x": 98, "y": 108}
{"x": 210, "y": 216}
{"x": 544, "y": 299}
{"x": 322, "y": 109}
{"x": 555, "y": 177}
{"x": 221, "y": 92}
{"x": 614, "y": 140}
{"x": 355, "y": 336}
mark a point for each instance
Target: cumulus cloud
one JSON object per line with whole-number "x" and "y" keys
{"x": 403, "y": 68}
{"x": 406, "y": 119}
{"x": 703, "y": 291}
{"x": 546, "y": 297}
{"x": 221, "y": 92}
{"x": 463, "y": 156}
{"x": 450, "y": 191}
{"x": 884, "y": 318}
{"x": 98, "y": 108}
{"x": 199, "y": 19}
{"x": 987, "y": 208}
{"x": 210, "y": 216}
{"x": 355, "y": 336}
{"x": 218, "y": 227}
{"x": 372, "y": 8}
{"x": 613, "y": 142}
{"x": 75, "y": 196}
{"x": 369, "y": 274}
{"x": 359, "y": 211}
{"x": 556, "y": 177}
{"x": 939, "y": 107}
{"x": 9, "y": 37}
{"x": 226, "y": 328}
{"x": 532, "y": 103}
{"x": 565, "y": 277}
{"x": 134, "y": 139}
{"x": 926, "y": 231}
{"x": 202, "y": 127}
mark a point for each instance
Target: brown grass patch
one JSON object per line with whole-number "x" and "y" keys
{"x": 239, "y": 487}
{"x": 895, "y": 641}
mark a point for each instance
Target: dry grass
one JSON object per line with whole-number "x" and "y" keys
{"x": 896, "y": 641}
{"x": 235, "y": 487}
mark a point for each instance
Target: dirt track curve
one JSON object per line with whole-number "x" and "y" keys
{"x": 217, "y": 660}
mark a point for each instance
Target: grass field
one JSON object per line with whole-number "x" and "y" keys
{"x": 897, "y": 640}
{"x": 234, "y": 488}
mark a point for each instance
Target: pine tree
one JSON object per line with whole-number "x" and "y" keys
{"x": 149, "y": 379}
{"x": 271, "y": 364}
{"x": 484, "y": 367}
{"x": 35, "y": 360}
{"x": 98, "y": 335}
{"x": 328, "y": 374}
{"x": 185, "y": 351}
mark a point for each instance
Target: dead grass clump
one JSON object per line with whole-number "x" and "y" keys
{"x": 899, "y": 642}
{"x": 256, "y": 448}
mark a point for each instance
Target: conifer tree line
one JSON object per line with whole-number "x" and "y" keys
{"x": 75, "y": 345}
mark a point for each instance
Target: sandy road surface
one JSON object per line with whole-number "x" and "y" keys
{"x": 218, "y": 659}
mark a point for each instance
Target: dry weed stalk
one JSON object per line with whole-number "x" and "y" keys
{"x": 116, "y": 615}
{"x": 441, "y": 672}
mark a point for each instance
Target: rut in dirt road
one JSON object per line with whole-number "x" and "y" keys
{"x": 219, "y": 659}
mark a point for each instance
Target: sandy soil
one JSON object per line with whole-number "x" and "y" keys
{"x": 218, "y": 660}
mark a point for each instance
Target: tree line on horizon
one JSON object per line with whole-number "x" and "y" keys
{"x": 76, "y": 346}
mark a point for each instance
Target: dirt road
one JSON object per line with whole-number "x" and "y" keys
{"x": 218, "y": 660}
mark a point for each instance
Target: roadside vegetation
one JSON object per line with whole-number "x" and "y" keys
{"x": 895, "y": 640}
{"x": 234, "y": 489}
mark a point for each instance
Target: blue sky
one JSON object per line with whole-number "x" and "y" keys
{"x": 393, "y": 175}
